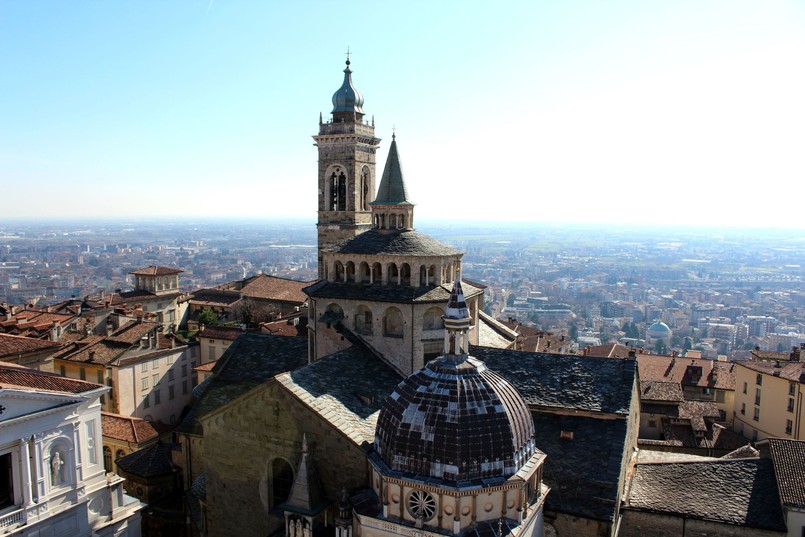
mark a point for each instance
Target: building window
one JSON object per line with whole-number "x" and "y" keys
{"x": 6, "y": 481}
{"x": 745, "y": 387}
{"x": 171, "y": 393}
{"x": 170, "y": 374}
{"x": 790, "y": 405}
{"x": 184, "y": 387}
{"x": 789, "y": 426}
{"x": 281, "y": 481}
{"x": 652, "y": 424}
{"x": 743, "y": 409}
{"x": 155, "y": 379}
{"x": 107, "y": 459}
{"x": 155, "y": 363}
{"x": 754, "y": 435}
{"x": 792, "y": 389}
{"x": 145, "y": 383}
{"x": 82, "y": 373}
{"x": 147, "y": 400}
{"x": 100, "y": 377}
{"x": 184, "y": 370}
{"x": 157, "y": 398}
{"x": 759, "y": 379}
{"x": 144, "y": 367}
{"x": 756, "y": 417}
{"x": 62, "y": 371}
{"x": 120, "y": 454}
{"x": 757, "y": 396}
{"x": 170, "y": 359}
{"x": 211, "y": 354}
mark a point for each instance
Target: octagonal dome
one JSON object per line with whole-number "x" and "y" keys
{"x": 455, "y": 420}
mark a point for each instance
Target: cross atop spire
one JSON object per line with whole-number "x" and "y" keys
{"x": 348, "y": 53}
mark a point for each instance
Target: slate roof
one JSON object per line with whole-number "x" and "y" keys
{"x": 152, "y": 461}
{"x": 583, "y": 472}
{"x": 155, "y": 271}
{"x": 127, "y": 428}
{"x": 345, "y": 389}
{"x": 386, "y": 293}
{"x": 788, "y": 457}
{"x": 11, "y": 345}
{"x": 403, "y": 243}
{"x": 392, "y": 190}
{"x": 250, "y": 360}
{"x": 14, "y": 376}
{"x": 740, "y": 492}
{"x": 565, "y": 381}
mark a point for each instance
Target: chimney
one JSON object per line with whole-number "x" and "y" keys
{"x": 91, "y": 356}
{"x": 632, "y": 353}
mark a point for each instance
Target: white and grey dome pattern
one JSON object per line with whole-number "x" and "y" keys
{"x": 455, "y": 420}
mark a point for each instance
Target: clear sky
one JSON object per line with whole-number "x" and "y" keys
{"x": 679, "y": 112}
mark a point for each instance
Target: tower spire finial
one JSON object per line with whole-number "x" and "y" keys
{"x": 348, "y": 53}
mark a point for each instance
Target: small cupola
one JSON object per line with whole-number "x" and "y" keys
{"x": 391, "y": 209}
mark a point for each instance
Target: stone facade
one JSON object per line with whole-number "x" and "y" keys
{"x": 640, "y": 524}
{"x": 268, "y": 441}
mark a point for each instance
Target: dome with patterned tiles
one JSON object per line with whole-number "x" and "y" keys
{"x": 455, "y": 420}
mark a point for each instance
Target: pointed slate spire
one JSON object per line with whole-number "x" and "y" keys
{"x": 456, "y": 307}
{"x": 392, "y": 189}
{"x": 306, "y": 494}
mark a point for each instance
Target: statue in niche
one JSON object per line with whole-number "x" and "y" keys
{"x": 56, "y": 464}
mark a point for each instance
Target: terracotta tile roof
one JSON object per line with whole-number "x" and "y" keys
{"x": 285, "y": 327}
{"x": 769, "y": 355}
{"x": 228, "y": 333}
{"x": 788, "y": 457}
{"x": 155, "y": 271}
{"x": 611, "y": 350}
{"x": 661, "y": 391}
{"x": 214, "y": 297}
{"x": 11, "y": 345}
{"x": 274, "y": 288}
{"x": 687, "y": 371}
{"x": 127, "y": 429}
{"x": 207, "y": 366}
{"x": 793, "y": 371}
{"x": 14, "y": 376}
{"x": 131, "y": 332}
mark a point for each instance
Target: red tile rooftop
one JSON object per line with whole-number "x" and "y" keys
{"x": 14, "y": 376}
{"x": 155, "y": 271}
{"x": 127, "y": 429}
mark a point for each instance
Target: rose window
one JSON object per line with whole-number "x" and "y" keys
{"x": 421, "y": 505}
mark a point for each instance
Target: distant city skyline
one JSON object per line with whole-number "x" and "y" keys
{"x": 686, "y": 113}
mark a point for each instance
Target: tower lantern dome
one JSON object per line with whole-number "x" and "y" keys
{"x": 347, "y": 99}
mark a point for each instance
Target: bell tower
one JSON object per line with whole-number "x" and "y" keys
{"x": 347, "y": 147}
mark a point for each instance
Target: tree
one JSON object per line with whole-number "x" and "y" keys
{"x": 574, "y": 332}
{"x": 687, "y": 345}
{"x": 252, "y": 312}
{"x": 208, "y": 317}
{"x": 659, "y": 347}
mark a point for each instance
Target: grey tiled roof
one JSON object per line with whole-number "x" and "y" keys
{"x": 152, "y": 461}
{"x": 582, "y": 472}
{"x": 250, "y": 360}
{"x": 788, "y": 457}
{"x": 386, "y": 293}
{"x": 408, "y": 243}
{"x": 346, "y": 389}
{"x": 740, "y": 492}
{"x": 565, "y": 381}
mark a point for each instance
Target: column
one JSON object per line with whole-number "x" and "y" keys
{"x": 25, "y": 463}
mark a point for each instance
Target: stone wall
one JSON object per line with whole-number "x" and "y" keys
{"x": 641, "y": 524}
{"x": 242, "y": 441}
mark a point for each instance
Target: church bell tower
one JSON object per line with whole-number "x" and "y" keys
{"x": 347, "y": 146}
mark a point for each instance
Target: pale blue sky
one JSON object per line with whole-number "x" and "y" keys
{"x": 686, "y": 112}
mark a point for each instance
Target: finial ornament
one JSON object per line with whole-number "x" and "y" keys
{"x": 393, "y": 132}
{"x": 348, "y": 53}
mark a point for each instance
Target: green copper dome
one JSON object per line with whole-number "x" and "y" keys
{"x": 347, "y": 98}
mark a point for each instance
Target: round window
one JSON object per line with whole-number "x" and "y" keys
{"x": 421, "y": 505}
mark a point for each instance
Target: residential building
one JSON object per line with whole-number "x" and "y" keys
{"x": 769, "y": 399}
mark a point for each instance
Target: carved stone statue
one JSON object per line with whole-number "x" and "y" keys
{"x": 55, "y": 468}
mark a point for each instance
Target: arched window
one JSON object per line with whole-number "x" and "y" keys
{"x": 364, "y": 190}
{"x": 350, "y": 271}
{"x": 363, "y": 320}
{"x": 405, "y": 274}
{"x": 339, "y": 272}
{"x": 107, "y": 459}
{"x": 393, "y": 323}
{"x": 363, "y": 272}
{"x": 432, "y": 319}
{"x": 377, "y": 273}
{"x": 120, "y": 454}
{"x": 281, "y": 481}
{"x": 393, "y": 274}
